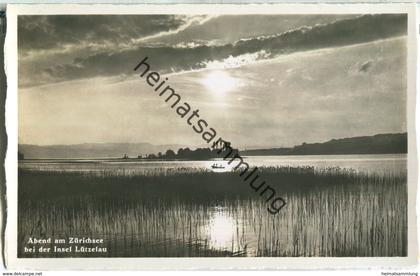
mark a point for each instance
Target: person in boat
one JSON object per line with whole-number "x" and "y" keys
{"x": 215, "y": 166}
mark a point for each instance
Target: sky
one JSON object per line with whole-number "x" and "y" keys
{"x": 259, "y": 80}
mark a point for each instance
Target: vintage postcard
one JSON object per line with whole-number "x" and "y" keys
{"x": 180, "y": 136}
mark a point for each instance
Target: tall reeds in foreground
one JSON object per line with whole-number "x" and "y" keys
{"x": 329, "y": 212}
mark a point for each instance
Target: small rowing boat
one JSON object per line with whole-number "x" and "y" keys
{"x": 216, "y": 166}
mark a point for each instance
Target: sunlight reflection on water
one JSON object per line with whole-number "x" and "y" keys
{"x": 221, "y": 230}
{"x": 225, "y": 232}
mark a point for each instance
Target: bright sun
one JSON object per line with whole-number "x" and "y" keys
{"x": 218, "y": 82}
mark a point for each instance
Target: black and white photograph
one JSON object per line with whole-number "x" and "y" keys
{"x": 186, "y": 135}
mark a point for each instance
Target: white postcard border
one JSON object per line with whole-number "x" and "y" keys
{"x": 203, "y": 263}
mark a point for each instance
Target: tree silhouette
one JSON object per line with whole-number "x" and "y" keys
{"x": 170, "y": 154}
{"x": 151, "y": 156}
{"x": 197, "y": 154}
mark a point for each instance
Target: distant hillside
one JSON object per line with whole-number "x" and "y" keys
{"x": 92, "y": 150}
{"x": 377, "y": 144}
{"x": 381, "y": 143}
{"x": 275, "y": 151}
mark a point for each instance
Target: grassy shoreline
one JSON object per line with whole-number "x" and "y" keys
{"x": 330, "y": 212}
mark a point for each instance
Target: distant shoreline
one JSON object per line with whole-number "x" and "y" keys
{"x": 130, "y": 160}
{"x": 391, "y": 143}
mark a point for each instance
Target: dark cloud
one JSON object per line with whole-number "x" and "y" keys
{"x": 45, "y": 32}
{"x": 366, "y": 66}
{"x": 247, "y": 26}
{"x": 345, "y": 32}
{"x": 167, "y": 59}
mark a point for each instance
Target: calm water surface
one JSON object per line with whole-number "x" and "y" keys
{"x": 239, "y": 231}
{"x": 372, "y": 163}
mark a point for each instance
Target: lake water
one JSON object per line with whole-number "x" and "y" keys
{"x": 321, "y": 222}
{"x": 370, "y": 163}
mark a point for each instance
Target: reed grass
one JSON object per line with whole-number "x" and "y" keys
{"x": 329, "y": 212}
